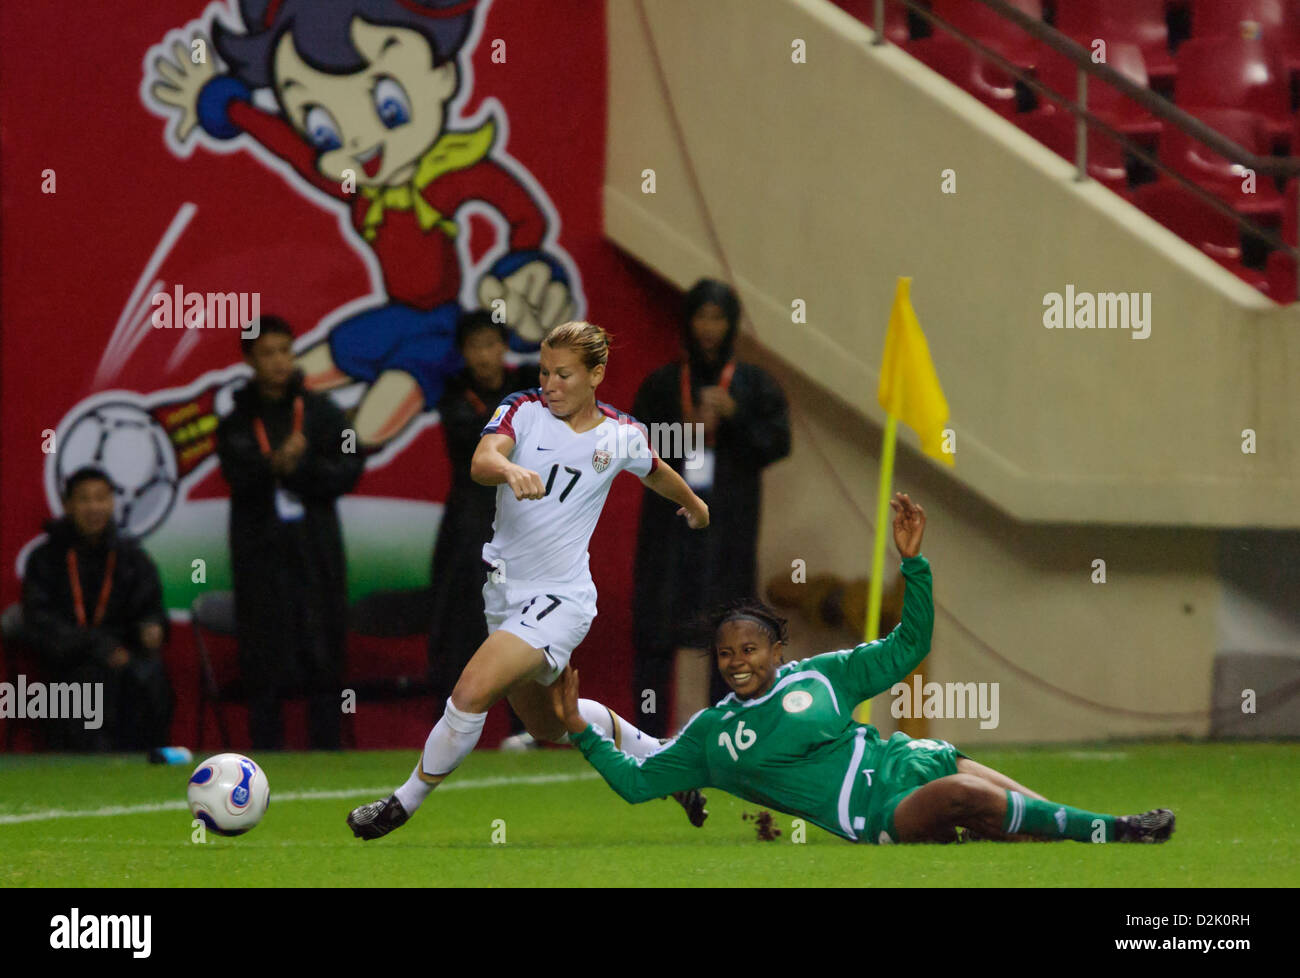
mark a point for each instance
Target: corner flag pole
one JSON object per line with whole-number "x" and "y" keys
{"x": 910, "y": 392}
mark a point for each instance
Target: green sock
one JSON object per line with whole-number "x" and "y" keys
{"x": 1033, "y": 817}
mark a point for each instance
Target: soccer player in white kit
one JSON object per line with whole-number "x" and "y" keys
{"x": 553, "y": 453}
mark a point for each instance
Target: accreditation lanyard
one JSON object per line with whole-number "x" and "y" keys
{"x": 78, "y": 601}
{"x": 259, "y": 429}
{"x": 288, "y": 506}
{"x": 688, "y": 403}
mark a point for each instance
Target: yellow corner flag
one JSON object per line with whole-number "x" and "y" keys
{"x": 909, "y": 387}
{"x": 909, "y": 392}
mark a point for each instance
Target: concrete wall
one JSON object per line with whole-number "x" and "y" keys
{"x": 822, "y": 182}
{"x": 1143, "y": 641}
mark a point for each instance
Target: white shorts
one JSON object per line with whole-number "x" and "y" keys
{"x": 552, "y": 617}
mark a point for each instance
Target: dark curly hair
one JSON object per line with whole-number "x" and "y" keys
{"x": 774, "y": 624}
{"x": 322, "y": 36}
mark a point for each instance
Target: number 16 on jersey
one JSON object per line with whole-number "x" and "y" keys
{"x": 744, "y": 740}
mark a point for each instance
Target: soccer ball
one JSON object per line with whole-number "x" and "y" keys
{"x": 134, "y": 451}
{"x": 229, "y": 794}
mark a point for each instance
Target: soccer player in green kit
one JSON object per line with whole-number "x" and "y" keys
{"x": 785, "y": 738}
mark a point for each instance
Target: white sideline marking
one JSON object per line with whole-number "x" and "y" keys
{"x": 169, "y": 806}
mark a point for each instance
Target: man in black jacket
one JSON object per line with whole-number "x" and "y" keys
{"x": 93, "y": 612}
{"x": 741, "y": 412}
{"x": 288, "y": 455}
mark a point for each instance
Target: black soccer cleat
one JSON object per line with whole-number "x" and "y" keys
{"x": 693, "y": 801}
{"x": 378, "y": 818}
{"x": 1156, "y": 825}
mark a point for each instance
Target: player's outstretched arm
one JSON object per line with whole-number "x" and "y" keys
{"x": 874, "y": 667}
{"x": 666, "y": 482}
{"x": 678, "y": 767}
{"x": 882, "y": 664}
{"x": 903, "y": 649}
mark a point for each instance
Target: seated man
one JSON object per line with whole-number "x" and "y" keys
{"x": 93, "y": 613}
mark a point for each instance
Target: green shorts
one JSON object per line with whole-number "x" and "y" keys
{"x": 903, "y": 766}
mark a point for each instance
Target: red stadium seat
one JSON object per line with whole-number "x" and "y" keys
{"x": 1224, "y": 178}
{"x": 1275, "y": 21}
{"x": 1140, "y": 22}
{"x": 1254, "y": 277}
{"x": 1235, "y": 73}
{"x": 1281, "y": 277}
{"x": 992, "y": 29}
{"x": 1240, "y": 18}
{"x": 967, "y": 69}
{"x": 1061, "y": 76}
{"x": 1056, "y": 131}
{"x": 1198, "y": 223}
{"x": 1289, "y": 217}
{"x": 1191, "y": 218}
{"x": 896, "y": 27}
{"x": 964, "y": 66}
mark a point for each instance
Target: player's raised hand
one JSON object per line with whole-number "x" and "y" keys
{"x": 180, "y": 81}
{"x": 698, "y": 518}
{"x": 564, "y": 700}
{"x": 909, "y": 524}
{"x": 525, "y": 483}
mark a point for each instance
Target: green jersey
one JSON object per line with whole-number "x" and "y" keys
{"x": 796, "y": 747}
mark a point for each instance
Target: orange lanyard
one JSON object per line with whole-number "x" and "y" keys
{"x": 259, "y": 429}
{"x": 688, "y": 404}
{"x": 78, "y": 602}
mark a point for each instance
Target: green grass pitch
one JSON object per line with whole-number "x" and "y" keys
{"x": 95, "y": 821}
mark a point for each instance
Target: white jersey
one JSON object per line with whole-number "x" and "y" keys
{"x": 546, "y": 539}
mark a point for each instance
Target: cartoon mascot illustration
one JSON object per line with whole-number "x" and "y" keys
{"x": 363, "y": 95}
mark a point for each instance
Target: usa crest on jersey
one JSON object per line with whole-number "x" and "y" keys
{"x": 600, "y": 459}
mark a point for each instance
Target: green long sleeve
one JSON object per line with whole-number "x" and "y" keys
{"x": 679, "y": 766}
{"x": 874, "y": 667}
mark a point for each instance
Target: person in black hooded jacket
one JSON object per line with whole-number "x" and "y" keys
{"x": 679, "y": 574}
{"x": 93, "y": 613}
{"x": 287, "y": 455}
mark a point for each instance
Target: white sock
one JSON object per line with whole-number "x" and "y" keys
{"x": 449, "y": 743}
{"x": 626, "y": 737}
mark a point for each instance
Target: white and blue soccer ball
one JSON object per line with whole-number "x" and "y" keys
{"x": 133, "y": 450}
{"x": 229, "y": 793}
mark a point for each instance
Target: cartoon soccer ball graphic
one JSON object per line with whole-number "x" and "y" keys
{"x": 229, "y": 794}
{"x": 126, "y": 442}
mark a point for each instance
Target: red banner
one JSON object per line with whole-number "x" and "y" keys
{"x": 365, "y": 169}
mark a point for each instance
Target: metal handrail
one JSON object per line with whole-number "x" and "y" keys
{"x": 1153, "y": 103}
